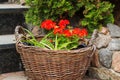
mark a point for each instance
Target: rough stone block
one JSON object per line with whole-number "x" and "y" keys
{"x": 105, "y": 56}
{"x": 116, "y": 61}
{"x": 103, "y": 74}
{"x": 102, "y": 40}
{"x": 114, "y": 30}
{"x": 114, "y": 45}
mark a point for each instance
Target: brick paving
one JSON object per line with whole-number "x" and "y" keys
{"x": 13, "y": 76}
{"x": 21, "y": 76}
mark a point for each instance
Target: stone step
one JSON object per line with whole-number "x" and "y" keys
{"x": 7, "y": 41}
{"x": 12, "y": 8}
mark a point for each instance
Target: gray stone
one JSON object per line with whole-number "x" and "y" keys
{"x": 102, "y": 40}
{"x": 114, "y": 30}
{"x": 103, "y": 74}
{"x": 114, "y": 45}
{"x": 105, "y": 57}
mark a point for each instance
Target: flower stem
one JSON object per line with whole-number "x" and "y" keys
{"x": 56, "y": 42}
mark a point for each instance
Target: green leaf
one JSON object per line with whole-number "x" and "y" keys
{"x": 47, "y": 43}
{"x": 73, "y": 45}
{"x": 84, "y": 22}
{"x": 90, "y": 6}
{"x": 64, "y": 45}
{"x": 30, "y": 33}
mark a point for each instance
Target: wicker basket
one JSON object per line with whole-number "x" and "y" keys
{"x": 42, "y": 64}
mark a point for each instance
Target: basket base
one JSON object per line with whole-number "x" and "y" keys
{"x": 36, "y": 79}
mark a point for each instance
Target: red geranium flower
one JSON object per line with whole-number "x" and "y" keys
{"x": 58, "y": 30}
{"x": 63, "y": 23}
{"x": 67, "y": 33}
{"x": 80, "y": 32}
{"x": 83, "y": 33}
{"x": 76, "y": 31}
{"x": 48, "y": 24}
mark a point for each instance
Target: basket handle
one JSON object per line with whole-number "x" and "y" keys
{"x": 19, "y": 32}
{"x": 93, "y": 51}
{"x": 91, "y": 42}
{"x": 93, "y": 37}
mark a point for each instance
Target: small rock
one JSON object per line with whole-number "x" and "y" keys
{"x": 114, "y": 45}
{"x": 114, "y": 30}
{"x": 102, "y": 40}
{"x": 116, "y": 61}
{"x": 104, "y": 30}
{"x": 105, "y": 56}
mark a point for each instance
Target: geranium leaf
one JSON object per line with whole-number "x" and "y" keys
{"x": 47, "y": 43}
{"x": 64, "y": 45}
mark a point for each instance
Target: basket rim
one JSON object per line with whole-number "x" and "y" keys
{"x": 55, "y": 51}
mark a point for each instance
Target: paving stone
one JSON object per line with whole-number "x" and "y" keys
{"x": 15, "y": 78}
{"x": 21, "y": 76}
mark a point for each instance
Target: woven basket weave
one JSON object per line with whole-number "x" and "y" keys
{"x": 42, "y": 64}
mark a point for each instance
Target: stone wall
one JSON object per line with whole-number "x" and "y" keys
{"x": 106, "y": 62}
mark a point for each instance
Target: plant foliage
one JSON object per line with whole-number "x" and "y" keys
{"x": 50, "y": 9}
{"x": 96, "y": 12}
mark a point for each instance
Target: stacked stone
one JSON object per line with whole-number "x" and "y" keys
{"x": 114, "y": 46}
{"x": 107, "y": 66}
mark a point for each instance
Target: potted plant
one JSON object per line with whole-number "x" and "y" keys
{"x": 61, "y": 54}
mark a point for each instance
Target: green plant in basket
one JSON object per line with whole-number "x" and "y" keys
{"x": 59, "y": 36}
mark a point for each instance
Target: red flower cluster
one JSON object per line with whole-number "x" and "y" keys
{"x": 48, "y": 24}
{"x": 63, "y": 23}
{"x": 61, "y": 28}
{"x": 80, "y": 32}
